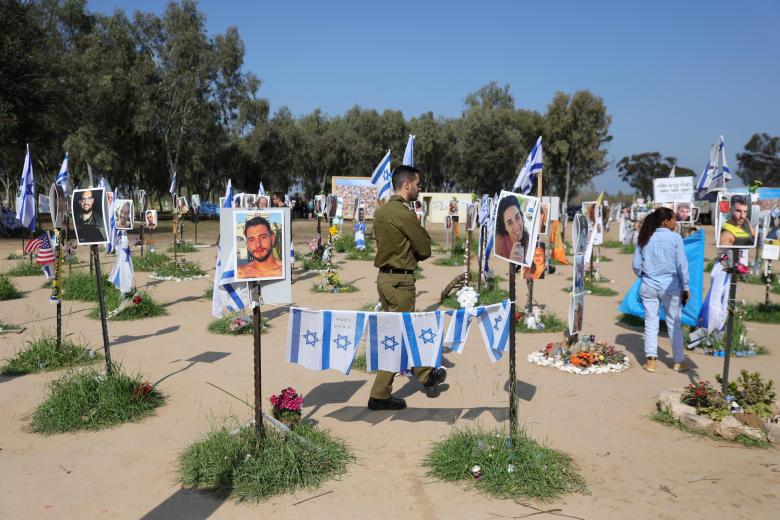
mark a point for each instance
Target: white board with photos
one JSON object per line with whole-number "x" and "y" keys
{"x": 672, "y": 189}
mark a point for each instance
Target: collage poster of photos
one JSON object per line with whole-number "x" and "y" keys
{"x": 581, "y": 234}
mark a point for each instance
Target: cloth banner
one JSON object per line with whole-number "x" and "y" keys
{"x": 385, "y": 349}
{"x": 459, "y": 327}
{"x": 694, "y": 252}
{"x": 714, "y": 310}
{"x": 494, "y": 323}
{"x": 423, "y": 338}
{"x": 321, "y": 340}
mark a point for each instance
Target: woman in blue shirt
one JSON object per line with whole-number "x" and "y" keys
{"x": 659, "y": 260}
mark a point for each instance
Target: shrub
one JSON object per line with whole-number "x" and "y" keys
{"x": 8, "y": 290}
{"x": 42, "y": 354}
{"x": 25, "y": 268}
{"x": 185, "y": 269}
{"x": 150, "y": 262}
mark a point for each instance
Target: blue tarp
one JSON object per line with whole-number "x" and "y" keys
{"x": 694, "y": 251}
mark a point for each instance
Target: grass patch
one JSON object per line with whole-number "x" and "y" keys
{"x": 552, "y": 323}
{"x": 604, "y": 259}
{"x": 597, "y": 289}
{"x": 8, "y": 290}
{"x": 628, "y": 250}
{"x": 7, "y": 326}
{"x": 15, "y": 256}
{"x": 25, "y": 268}
{"x": 360, "y": 361}
{"x": 209, "y": 293}
{"x": 184, "y": 247}
{"x": 343, "y": 243}
{"x": 361, "y": 254}
{"x": 85, "y": 399}
{"x": 754, "y": 279}
{"x": 147, "y": 308}
{"x": 150, "y": 262}
{"x": 249, "y": 467}
{"x": 367, "y": 307}
{"x": 418, "y": 274}
{"x": 185, "y": 269}
{"x": 665, "y": 417}
{"x": 83, "y": 286}
{"x": 750, "y": 442}
{"x": 762, "y": 313}
{"x": 42, "y": 354}
{"x": 489, "y": 295}
{"x": 539, "y": 472}
{"x": 227, "y": 325}
{"x": 313, "y": 264}
{"x": 345, "y": 288}
{"x": 612, "y": 244}
{"x": 450, "y": 260}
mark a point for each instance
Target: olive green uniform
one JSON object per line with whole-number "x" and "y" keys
{"x": 401, "y": 242}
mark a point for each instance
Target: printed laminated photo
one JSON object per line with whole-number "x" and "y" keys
{"x": 263, "y": 202}
{"x": 448, "y": 222}
{"x": 250, "y": 200}
{"x": 420, "y": 217}
{"x": 331, "y": 206}
{"x": 319, "y": 205}
{"x": 772, "y": 227}
{"x": 544, "y": 217}
{"x": 58, "y": 205}
{"x": 150, "y": 218}
{"x": 238, "y": 200}
{"x": 141, "y": 201}
{"x": 88, "y": 208}
{"x": 576, "y": 313}
{"x": 578, "y": 283}
{"x": 123, "y": 213}
{"x": 589, "y": 210}
{"x": 471, "y": 216}
{"x": 580, "y": 234}
{"x": 683, "y": 212}
{"x": 361, "y": 215}
{"x": 356, "y": 204}
{"x": 181, "y": 206}
{"x": 733, "y": 229}
{"x": 259, "y": 239}
{"x": 516, "y": 228}
{"x": 339, "y": 207}
{"x": 195, "y": 200}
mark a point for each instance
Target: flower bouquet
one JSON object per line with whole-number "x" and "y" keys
{"x": 238, "y": 324}
{"x": 590, "y": 358}
{"x": 287, "y": 407}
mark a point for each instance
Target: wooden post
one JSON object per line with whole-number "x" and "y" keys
{"x": 512, "y": 344}
{"x": 730, "y": 319}
{"x": 102, "y": 307}
{"x": 256, "y": 325}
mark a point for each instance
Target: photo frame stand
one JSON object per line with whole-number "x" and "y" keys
{"x": 512, "y": 353}
{"x": 730, "y": 319}
{"x": 102, "y": 306}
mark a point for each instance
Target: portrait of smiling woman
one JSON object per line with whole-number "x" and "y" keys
{"x": 516, "y": 228}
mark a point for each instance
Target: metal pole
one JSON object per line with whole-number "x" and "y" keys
{"x": 256, "y": 323}
{"x": 102, "y": 307}
{"x": 468, "y": 256}
{"x": 768, "y": 281}
{"x": 512, "y": 367}
{"x": 730, "y": 319}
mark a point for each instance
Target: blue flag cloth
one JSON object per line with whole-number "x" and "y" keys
{"x": 409, "y": 152}
{"x": 25, "y": 204}
{"x": 532, "y": 166}
{"x": 228, "y": 195}
{"x": 382, "y": 178}
{"x": 62, "y": 176}
{"x": 694, "y": 252}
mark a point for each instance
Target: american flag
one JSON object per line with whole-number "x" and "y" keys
{"x": 43, "y": 245}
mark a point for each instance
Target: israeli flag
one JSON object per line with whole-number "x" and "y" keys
{"x": 526, "y": 179}
{"x": 423, "y": 336}
{"x": 385, "y": 349}
{"x": 261, "y": 190}
{"x": 703, "y": 185}
{"x": 714, "y": 310}
{"x": 112, "y": 231}
{"x": 63, "y": 176}
{"x": 228, "y": 195}
{"x": 382, "y": 178}
{"x": 25, "y": 204}
{"x": 722, "y": 173}
{"x": 459, "y": 327}
{"x": 172, "y": 189}
{"x": 484, "y": 210}
{"x": 494, "y": 323}
{"x": 671, "y": 173}
{"x": 232, "y": 297}
{"x": 122, "y": 275}
{"x": 322, "y": 340}
{"x": 409, "y": 152}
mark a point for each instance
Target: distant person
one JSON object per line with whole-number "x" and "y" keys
{"x": 277, "y": 200}
{"x": 260, "y": 241}
{"x": 661, "y": 264}
{"x": 737, "y": 231}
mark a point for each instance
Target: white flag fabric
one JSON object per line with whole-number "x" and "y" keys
{"x": 409, "y": 152}
{"x": 494, "y": 323}
{"x": 385, "y": 349}
{"x": 261, "y": 190}
{"x": 63, "y": 175}
{"x": 25, "y": 204}
{"x": 423, "y": 336}
{"x": 722, "y": 173}
{"x": 458, "y": 328}
{"x": 122, "y": 275}
{"x": 228, "y": 195}
{"x": 172, "y": 189}
{"x": 322, "y": 340}
{"x": 526, "y": 179}
{"x": 671, "y": 173}
{"x": 382, "y": 178}
{"x": 714, "y": 310}
{"x": 227, "y": 296}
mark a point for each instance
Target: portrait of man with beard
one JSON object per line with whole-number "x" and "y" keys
{"x": 262, "y": 232}
{"x": 88, "y": 216}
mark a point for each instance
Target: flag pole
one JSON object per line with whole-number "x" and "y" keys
{"x": 256, "y": 326}
{"x": 102, "y": 307}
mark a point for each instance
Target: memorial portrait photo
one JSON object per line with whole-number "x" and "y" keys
{"x": 150, "y": 218}
{"x": 123, "y": 213}
{"x": 516, "y": 228}
{"x": 732, "y": 226}
{"x": 89, "y": 216}
{"x": 259, "y": 240}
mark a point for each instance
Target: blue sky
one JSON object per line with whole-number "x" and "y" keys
{"x": 673, "y": 75}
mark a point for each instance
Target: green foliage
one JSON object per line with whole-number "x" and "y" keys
{"x": 150, "y": 262}
{"x": 86, "y": 399}
{"x": 25, "y": 268}
{"x": 208, "y": 294}
{"x": 343, "y": 243}
{"x": 639, "y": 170}
{"x": 361, "y": 254}
{"x": 236, "y": 461}
{"x": 752, "y": 393}
{"x": 42, "y": 354}
{"x": 552, "y": 323}
{"x": 184, "y": 247}
{"x": 15, "y": 256}
{"x": 360, "y": 361}
{"x": 7, "y": 326}
{"x": 450, "y": 260}
{"x": 83, "y": 286}
{"x": 228, "y": 326}
{"x": 343, "y": 288}
{"x": 418, "y": 274}
{"x": 761, "y": 160}
{"x": 628, "y": 250}
{"x": 183, "y": 269}
{"x": 540, "y": 473}
{"x": 706, "y": 399}
{"x": 489, "y": 294}
{"x": 8, "y": 290}
{"x": 751, "y": 442}
{"x": 313, "y": 264}
{"x": 612, "y": 244}
{"x": 148, "y": 308}
{"x": 761, "y": 312}
{"x": 596, "y": 289}
{"x": 604, "y": 259}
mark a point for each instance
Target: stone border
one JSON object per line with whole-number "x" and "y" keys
{"x": 727, "y": 429}
{"x": 540, "y": 359}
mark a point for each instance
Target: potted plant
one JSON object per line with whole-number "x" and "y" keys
{"x": 287, "y": 407}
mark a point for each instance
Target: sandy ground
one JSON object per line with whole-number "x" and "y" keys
{"x": 634, "y": 467}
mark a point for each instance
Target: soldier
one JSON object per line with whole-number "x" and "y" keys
{"x": 401, "y": 242}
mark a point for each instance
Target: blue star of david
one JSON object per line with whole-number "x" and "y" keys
{"x": 389, "y": 343}
{"x": 388, "y": 175}
{"x": 427, "y": 336}
{"x": 342, "y": 342}
{"x": 311, "y": 338}
{"x": 499, "y": 319}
